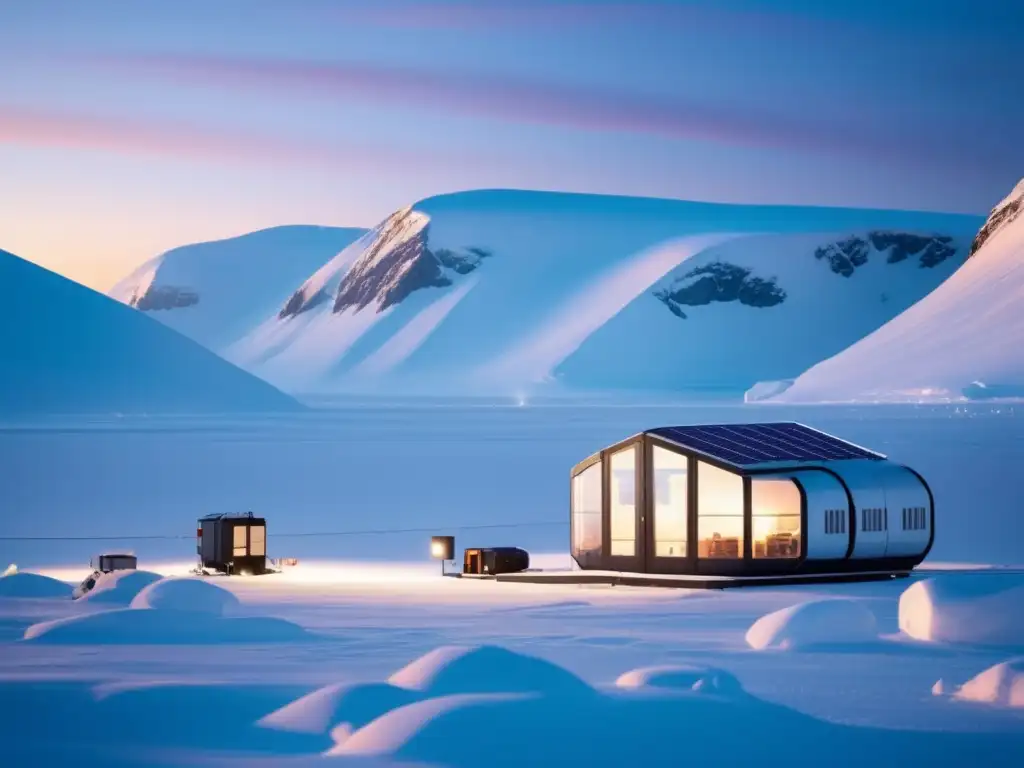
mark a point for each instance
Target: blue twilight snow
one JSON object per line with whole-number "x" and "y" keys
{"x": 500, "y": 291}
{"x": 67, "y": 349}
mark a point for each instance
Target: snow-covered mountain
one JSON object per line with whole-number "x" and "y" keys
{"x": 499, "y": 292}
{"x": 216, "y": 292}
{"x": 963, "y": 340}
{"x": 67, "y": 349}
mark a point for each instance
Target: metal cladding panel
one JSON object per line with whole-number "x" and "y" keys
{"x": 910, "y": 514}
{"x": 866, "y": 481}
{"x": 209, "y": 542}
{"x": 825, "y": 497}
{"x": 748, "y": 445}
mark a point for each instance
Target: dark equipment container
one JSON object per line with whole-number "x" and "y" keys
{"x": 494, "y": 560}
{"x": 109, "y": 563}
{"x": 232, "y": 544}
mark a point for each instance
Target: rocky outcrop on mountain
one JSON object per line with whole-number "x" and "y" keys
{"x": 393, "y": 261}
{"x": 389, "y": 271}
{"x": 1004, "y": 213}
{"x": 164, "y": 297}
{"x": 720, "y": 282}
{"x": 930, "y": 250}
{"x": 846, "y": 255}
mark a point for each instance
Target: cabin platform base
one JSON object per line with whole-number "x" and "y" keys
{"x": 691, "y": 581}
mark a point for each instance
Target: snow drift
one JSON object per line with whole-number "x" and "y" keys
{"x": 33, "y": 585}
{"x": 819, "y": 623}
{"x": 521, "y": 727}
{"x": 681, "y": 678}
{"x": 983, "y": 610}
{"x": 186, "y": 594}
{"x": 67, "y": 349}
{"x": 485, "y": 669}
{"x": 1002, "y": 684}
{"x": 348, "y": 706}
{"x": 497, "y": 291}
{"x": 962, "y": 341}
{"x": 119, "y": 587}
{"x": 148, "y": 626}
{"x": 216, "y": 292}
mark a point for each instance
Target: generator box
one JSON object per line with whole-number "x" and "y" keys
{"x": 232, "y": 544}
{"x": 109, "y": 563}
{"x": 494, "y": 560}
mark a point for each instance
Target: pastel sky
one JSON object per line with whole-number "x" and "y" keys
{"x": 128, "y": 127}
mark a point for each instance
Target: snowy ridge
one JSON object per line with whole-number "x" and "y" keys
{"x": 218, "y": 291}
{"x": 92, "y": 354}
{"x": 962, "y": 341}
{"x": 494, "y": 292}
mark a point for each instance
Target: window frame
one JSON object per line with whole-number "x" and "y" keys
{"x": 639, "y": 517}
{"x": 652, "y": 494}
{"x": 577, "y": 471}
{"x": 744, "y": 559}
{"x": 799, "y": 514}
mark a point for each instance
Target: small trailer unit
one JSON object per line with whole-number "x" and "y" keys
{"x": 494, "y": 560}
{"x": 232, "y": 544}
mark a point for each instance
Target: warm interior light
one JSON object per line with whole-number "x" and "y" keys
{"x": 437, "y": 549}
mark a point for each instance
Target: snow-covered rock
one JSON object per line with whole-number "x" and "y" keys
{"x": 1002, "y": 684}
{"x": 185, "y": 594}
{"x": 32, "y": 585}
{"x": 67, "y": 349}
{"x": 215, "y": 292}
{"x": 681, "y": 678}
{"x": 485, "y": 669}
{"x": 118, "y": 587}
{"x": 130, "y": 626}
{"x": 497, "y": 291}
{"x": 962, "y": 341}
{"x": 818, "y": 623}
{"x": 980, "y": 609}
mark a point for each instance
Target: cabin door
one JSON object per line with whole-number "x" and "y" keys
{"x": 625, "y": 522}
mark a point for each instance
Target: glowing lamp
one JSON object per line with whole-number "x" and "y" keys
{"x": 442, "y": 548}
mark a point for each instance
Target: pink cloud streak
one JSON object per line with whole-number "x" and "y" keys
{"x": 489, "y": 96}
{"x": 496, "y": 14}
{"x": 48, "y": 128}
{"x": 511, "y": 99}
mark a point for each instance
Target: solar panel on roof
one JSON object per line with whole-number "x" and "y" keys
{"x": 749, "y": 444}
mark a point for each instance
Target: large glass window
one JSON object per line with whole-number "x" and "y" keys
{"x": 258, "y": 540}
{"x": 775, "y": 518}
{"x": 670, "y": 503}
{"x": 719, "y": 513}
{"x": 623, "y": 502}
{"x": 239, "y": 541}
{"x": 586, "y": 515}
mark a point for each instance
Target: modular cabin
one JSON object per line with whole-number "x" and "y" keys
{"x": 747, "y": 500}
{"x": 232, "y": 544}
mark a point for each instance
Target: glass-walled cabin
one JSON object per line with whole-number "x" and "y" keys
{"x": 747, "y": 499}
{"x": 651, "y": 507}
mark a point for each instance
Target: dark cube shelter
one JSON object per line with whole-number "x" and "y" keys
{"x": 233, "y": 544}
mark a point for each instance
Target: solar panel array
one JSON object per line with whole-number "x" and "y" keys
{"x": 748, "y": 444}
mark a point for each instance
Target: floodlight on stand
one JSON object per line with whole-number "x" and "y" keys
{"x": 442, "y": 548}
